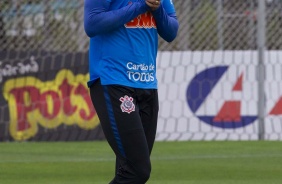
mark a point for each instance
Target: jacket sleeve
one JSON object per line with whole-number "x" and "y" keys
{"x": 167, "y": 24}
{"x": 99, "y": 19}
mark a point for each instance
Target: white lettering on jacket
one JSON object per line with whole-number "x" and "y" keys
{"x": 140, "y": 72}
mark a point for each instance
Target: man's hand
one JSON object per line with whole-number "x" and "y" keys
{"x": 153, "y": 4}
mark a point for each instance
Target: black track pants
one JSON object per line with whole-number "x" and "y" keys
{"x": 128, "y": 118}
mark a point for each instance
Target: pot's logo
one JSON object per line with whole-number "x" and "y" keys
{"x": 64, "y": 100}
{"x": 221, "y": 97}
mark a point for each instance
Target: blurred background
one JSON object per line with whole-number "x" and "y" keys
{"x": 204, "y": 25}
{"x": 220, "y": 79}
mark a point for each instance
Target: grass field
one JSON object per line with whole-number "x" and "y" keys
{"x": 256, "y": 162}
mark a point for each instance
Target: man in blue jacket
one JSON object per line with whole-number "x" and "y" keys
{"x": 123, "y": 85}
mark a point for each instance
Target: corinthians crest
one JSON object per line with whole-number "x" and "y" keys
{"x": 127, "y": 104}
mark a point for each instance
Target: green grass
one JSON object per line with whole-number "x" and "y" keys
{"x": 254, "y": 162}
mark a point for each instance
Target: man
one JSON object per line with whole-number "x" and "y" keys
{"x": 123, "y": 85}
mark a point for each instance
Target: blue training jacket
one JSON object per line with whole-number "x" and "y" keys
{"x": 124, "y": 40}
